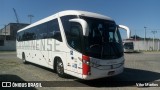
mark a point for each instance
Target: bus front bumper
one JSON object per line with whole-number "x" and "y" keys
{"x": 96, "y": 73}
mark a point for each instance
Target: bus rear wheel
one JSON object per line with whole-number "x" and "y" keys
{"x": 24, "y": 58}
{"x": 60, "y": 68}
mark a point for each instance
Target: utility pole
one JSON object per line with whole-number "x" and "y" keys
{"x": 158, "y": 45}
{"x": 154, "y": 32}
{"x": 145, "y": 28}
{"x": 135, "y": 38}
{"x": 30, "y": 18}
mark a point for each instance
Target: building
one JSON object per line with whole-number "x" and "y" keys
{"x": 8, "y": 35}
{"x": 10, "y": 30}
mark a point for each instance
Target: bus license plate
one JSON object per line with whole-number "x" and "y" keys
{"x": 111, "y": 72}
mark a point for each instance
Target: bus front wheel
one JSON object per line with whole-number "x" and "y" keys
{"x": 60, "y": 68}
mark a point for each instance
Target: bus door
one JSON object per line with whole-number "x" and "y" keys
{"x": 74, "y": 40}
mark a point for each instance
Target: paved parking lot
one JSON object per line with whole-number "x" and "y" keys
{"x": 139, "y": 67}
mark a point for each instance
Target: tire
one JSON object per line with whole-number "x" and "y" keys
{"x": 24, "y": 58}
{"x": 60, "y": 68}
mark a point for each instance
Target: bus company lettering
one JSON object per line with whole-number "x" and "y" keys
{"x": 42, "y": 45}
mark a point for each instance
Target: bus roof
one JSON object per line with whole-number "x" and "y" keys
{"x": 83, "y": 13}
{"x": 68, "y": 12}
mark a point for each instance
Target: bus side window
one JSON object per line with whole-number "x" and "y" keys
{"x": 75, "y": 36}
{"x": 54, "y": 31}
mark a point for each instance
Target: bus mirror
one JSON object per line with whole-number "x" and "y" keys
{"x": 127, "y": 29}
{"x": 84, "y": 25}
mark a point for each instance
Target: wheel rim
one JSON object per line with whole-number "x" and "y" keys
{"x": 60, "y": 67}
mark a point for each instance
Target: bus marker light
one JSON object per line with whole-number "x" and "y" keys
{"x": 85, "y": 65}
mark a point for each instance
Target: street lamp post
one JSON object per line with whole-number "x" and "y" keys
{"x": 135, "y": 38}
{"x": 154, "y": 32}
{"x": 30, "y": 18}
{"x": 145, "y": 28}
{"x": 158, "y": 45}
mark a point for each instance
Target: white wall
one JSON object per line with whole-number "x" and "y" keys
{"x": 147, "y": 45}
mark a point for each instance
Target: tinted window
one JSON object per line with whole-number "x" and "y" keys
{"x": 42, "y": 31}
{"x": 66, "y": 23}
{"x": 74, "y": 39}
{"x": 104, "y": 40}
{"x": 53, "y": 30}
{"x": 73, "y": 32}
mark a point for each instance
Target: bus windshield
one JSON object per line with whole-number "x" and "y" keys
{"x": 128, "y": 45}
{"x": 104, "y": 40}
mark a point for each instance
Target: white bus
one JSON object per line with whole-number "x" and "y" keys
{"x": 79, "y": 43}
{"x": 128, "y": 46}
